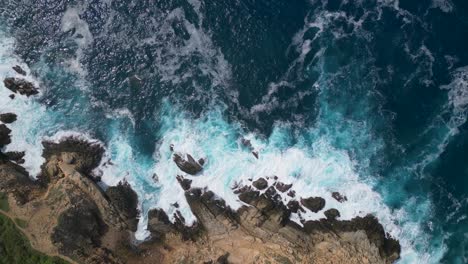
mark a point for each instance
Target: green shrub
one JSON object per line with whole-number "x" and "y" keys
{"x": 4, "y": 202}
{"x": 15, "y": 248}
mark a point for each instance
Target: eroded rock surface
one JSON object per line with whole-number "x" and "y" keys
{"x": 69, "y": 215}
{"x": 20, "y": 86}
{"x": 188, "y": 165}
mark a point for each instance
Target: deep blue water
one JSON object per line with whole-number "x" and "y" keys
{"x": 366, "y": 97}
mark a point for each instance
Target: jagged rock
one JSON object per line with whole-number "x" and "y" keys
{"x": 255, "y": 153}
{"x": 260, "y": 184}
{"x": 19, "y": 70}
{"x": 20, "y": 86}
{"x": 340, "y": 198}
{"x": 14, "y": 179}
{"x": 282, "y": 187}
{"x": 184, "y": 183}
{"x": 189, "y": 166}
{"x": 85, "y": 156}
{"x": 16, "y": 156}
{"x": 246, "y": 143}
{"x": 8, "y": 118}
{"x": 291, "y": 193}
{"x": 12, "y": 96}
{"x": 4, "y": 135}
{"x": 389, "y": 248}
{"x": 332, "y": 214}
{"x": 314, "y": 204}
{"x": 159, "y": 224}
{"x": 125, "y": 199}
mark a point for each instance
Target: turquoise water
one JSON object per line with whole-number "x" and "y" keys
{"x": 368, "y": 98}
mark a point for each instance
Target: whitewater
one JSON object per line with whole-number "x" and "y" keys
{"x": 340, "y": 149}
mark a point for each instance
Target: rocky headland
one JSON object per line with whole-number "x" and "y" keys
{"x": 70, "y": 216}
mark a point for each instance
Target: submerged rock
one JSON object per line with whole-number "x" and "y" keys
{"x": 20, "y": 86}
{"x": 189, "y": 166}
{"x": 314, "y": 204}
{"x": 260, "y": 184}
{"x": 19, "y": 70}
{"x": 8, "y": 118}
{"x": 339, "y": 197}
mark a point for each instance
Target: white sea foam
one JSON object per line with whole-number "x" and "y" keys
{"x": 29, "y": 113}
{"x": 82, "y": 36}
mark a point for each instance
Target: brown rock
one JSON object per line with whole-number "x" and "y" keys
{"x": 184, "y": 183}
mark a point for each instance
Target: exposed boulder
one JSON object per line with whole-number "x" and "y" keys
{"x": 19, "y": 70}
{"x": 8, "y": 118}
{"x": 125, "y": 199}
{"x": 4, "y": 135}
{"x": 20, "y": 86}
{"x": 260, "y": 184}
{"x": 332, "y": 214}
{"x": 282, "y": 187}
{"x": 314, "y": 204}
{"x": 188, "y": 165}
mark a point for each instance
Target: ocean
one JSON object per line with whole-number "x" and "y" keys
{"x": 368, "y": 98}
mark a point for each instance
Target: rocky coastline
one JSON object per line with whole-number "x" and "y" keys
{"x": 69, "y": 215}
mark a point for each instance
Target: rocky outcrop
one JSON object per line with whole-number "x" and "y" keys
{"x": 69, "y": 215}
{"x": 266, "y": 221}
{"x": 188, "y": 165}
{"x": 125, "y": 199}
{"x": 7, "y": 118}
{"x": 85, "y": 156}
{"x": 20, "y": 86}
{"x": 15, "y": 180}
